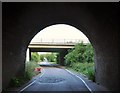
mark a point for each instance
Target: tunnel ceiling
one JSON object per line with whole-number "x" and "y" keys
{"x": 98, "y": 21}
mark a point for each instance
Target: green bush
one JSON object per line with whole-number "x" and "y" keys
{"x": 15, "y": 82}
{"x": 50, "y": 57}
{"x": 35, "y": 57}
{"x": 30, "y": 67}
{"x": 81, "y": 53}
{"x": 84, "y": 68}
{"x": 29, "y": 73}
{"x": 88, "y": 54}
{"x": 90, "y": 73}
{"x": 39, "y": 58}
{"x": 80, "y": 59}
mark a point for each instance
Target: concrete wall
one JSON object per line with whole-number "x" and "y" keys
{"x": 98, "y": 21}
{"x": 0, "y": 46}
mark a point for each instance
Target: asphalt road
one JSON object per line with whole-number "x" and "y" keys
{"x": 48, "y": 64}
{"x": 56, "y": 79}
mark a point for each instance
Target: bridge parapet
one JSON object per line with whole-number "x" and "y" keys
{"x": 57, "y": 42}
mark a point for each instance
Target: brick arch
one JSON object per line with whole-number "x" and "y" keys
{"x": 22, "y": 21}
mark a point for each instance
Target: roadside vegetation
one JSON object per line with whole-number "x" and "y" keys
{"x": 52, "y": 57}
{"x": 32, "y": 67}
{"x": 80, "y": 59}
{"x": 28, "y": 75}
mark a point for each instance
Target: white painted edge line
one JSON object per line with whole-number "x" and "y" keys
{"x": 27, "y": 86}
{"x": 80, "y": 79}
{"x": 32, "y": 82}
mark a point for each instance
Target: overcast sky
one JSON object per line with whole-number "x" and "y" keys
{"x": 60, "y": 32}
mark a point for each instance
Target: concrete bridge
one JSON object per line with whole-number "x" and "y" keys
{"x": 98, "y": 21}
{"x": 55, "y": 44}
{"x": 60, "y": 47}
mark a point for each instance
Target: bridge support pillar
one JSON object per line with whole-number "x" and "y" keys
{"x": 61, "y": 57}
{"x": 28, "y": 55}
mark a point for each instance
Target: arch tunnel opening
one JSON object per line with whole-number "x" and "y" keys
{"x": 62, "y": 38}
{"x": 100, "y": 24}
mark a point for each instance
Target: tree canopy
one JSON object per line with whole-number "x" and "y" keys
{"x": 80, "y": 53}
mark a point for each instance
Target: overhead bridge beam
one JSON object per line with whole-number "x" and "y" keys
{"x": 45, "y": 46}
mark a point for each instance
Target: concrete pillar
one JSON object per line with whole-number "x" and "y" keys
{"x": 28, "y": 55}
{"x": 58, "y": 58}
{"x": 61, "y": 57}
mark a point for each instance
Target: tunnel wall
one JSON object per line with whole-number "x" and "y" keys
{"x": 98, "y": 21}
{"x": 0, "y": 46}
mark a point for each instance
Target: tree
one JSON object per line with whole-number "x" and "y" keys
{"x": 35, "y": 57}
{"x": 50, "y": 57}
{"x": 88, "y": 54}
{"x": 81, "y": 53}
{"x": 41, "y": 57}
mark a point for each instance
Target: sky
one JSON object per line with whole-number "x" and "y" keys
{"x": 59, "y": 33}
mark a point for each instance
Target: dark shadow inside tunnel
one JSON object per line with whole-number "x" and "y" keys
{"x": 98, "y": 21}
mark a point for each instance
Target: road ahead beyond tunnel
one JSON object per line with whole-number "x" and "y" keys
{"x": 56, "y": 79}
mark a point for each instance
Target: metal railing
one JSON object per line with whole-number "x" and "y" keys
{"x": 57, "y": 41}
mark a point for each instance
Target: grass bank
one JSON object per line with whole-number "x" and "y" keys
{"x": 28, "y": 75}
{"x": 87, "y": 69}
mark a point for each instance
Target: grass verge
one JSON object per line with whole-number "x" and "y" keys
{"x": 28, "y": 75}
{"x": 87, "y": 69}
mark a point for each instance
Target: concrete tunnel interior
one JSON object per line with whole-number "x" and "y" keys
{"x": 98, "y": 21}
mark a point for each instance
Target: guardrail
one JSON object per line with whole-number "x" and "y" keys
{"x": 57, "y": 41}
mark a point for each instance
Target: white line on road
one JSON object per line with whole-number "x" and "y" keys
{"x": 67, "y": 71}
{"x": 27, "y": 86}
{"x": 32, "y": 82}
{"x": 80, "y": 79}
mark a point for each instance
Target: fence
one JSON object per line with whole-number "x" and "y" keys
{"x": 56, "y": 41}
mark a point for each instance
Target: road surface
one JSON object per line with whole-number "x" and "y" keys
{"x": 48, "y": 64}
{"x": 56, "y": 79}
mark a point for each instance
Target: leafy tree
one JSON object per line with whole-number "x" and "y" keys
{"x": 88, "y": 54}
{"x": 41, "y": 57}
{"x": 50, "y": 57}
{"x": 80, "y": 59}
{"x": 35, "y": 57}
{"x": 81, "y": 53}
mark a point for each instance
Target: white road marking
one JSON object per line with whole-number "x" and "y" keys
{"x": 27, "y": 86}
{"x": 80, "y": 79}
{"x": 32, "y": 82}
{"x": 67, "y": 71}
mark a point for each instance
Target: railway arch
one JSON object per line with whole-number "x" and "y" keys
{"x": 98, "y": 21}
